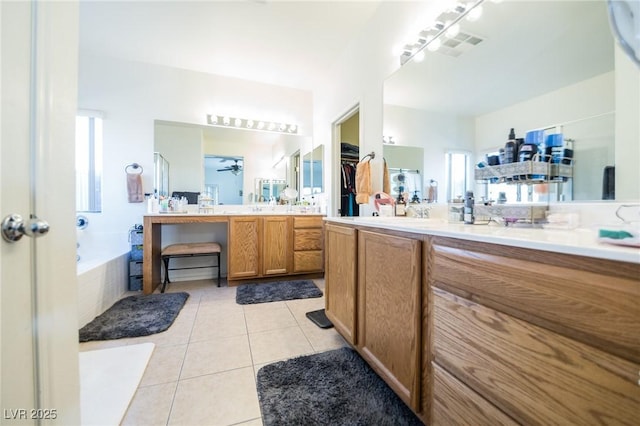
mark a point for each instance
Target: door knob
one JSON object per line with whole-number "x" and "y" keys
{"x": 14, "y": 227}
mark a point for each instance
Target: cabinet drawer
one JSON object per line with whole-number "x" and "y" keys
{"x": 592, "y": 300}
{"x": 308, "y": 261}
{"x": 307, "y": 239}
{"x": 307, "y": 222}
{"x": 534, "y": 375}
{"x": 456, "y": 404}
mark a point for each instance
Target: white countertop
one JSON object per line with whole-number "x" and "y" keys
{"x": 582, "y": 242}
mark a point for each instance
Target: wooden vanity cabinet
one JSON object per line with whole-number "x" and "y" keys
{"x": 275, "y": 245}
{"x": 272, "y": 245}
{"x": 244, "y": 252}
{"x": 533, "y": 337}
{"x": 389, "y": 310}
{"x": 308, "y": 244}
{"x": 340, "y": 279}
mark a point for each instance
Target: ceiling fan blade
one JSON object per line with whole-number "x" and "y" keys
{"x": 226, "y": 169}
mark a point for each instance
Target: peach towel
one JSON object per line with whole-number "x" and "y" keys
{"x": 363, "y": 182}
{"x": 134, "y": 188}
{"x": 386, "y": 180}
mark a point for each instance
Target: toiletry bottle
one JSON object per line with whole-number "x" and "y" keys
{"x": 400, "y": 208}
{"x": 468, "y": 208}
{"x": 510, "y": 148}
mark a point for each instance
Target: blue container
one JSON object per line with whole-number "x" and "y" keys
{"x": 535, "y": 137}
{"x": 136, "y": 252}
{"x": 554, "y": 147}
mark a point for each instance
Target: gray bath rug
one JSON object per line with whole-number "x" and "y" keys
{"x": 330, "y": 388}
{"x": 247, "y": 294}
{"x": 135, "y": 316}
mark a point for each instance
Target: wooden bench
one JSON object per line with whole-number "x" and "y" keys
{"x": 189, "y": 250}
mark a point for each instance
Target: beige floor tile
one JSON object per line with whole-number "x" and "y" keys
{"x": 164, "y": 366}
{"x": 263, "y": 306}
{"x": 218, "y": 325}
{"x": 213, "y": 356}
{"x": 269, "y": 319}
{"x": 216, "y": 399}
{"x": 300, "y": 307}
{"x": 322, "y": 339}
{"x": 278, "y": 344}
{"x": 219, "y": 306}
{"x": 219, "y": 293}
{"x": 151, "y": 405}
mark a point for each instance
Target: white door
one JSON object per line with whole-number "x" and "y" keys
{"x": 38, "y": 288}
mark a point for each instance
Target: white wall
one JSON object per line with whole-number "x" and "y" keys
{"x": 588, "y": 98}
{"x": 627, "y": 128}
{"x": 133, "y": 95}
{"x": 437, "y": 133}
{"x": 358, "y": 79}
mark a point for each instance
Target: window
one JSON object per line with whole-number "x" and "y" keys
{"x": 457, "y": 174}
{"x": 88, "y": 163}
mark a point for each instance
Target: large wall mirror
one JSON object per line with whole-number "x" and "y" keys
{"x": 525, "y": 65}
{"x": 234, "y": 166}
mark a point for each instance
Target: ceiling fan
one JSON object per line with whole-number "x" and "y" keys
{"x": 234, "y": 168}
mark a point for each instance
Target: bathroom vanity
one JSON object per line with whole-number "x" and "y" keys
{"x": 259, "y": 244}
{"x": 490, "y": 325}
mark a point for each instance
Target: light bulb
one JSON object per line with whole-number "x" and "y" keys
{"x": 419, "y": 57}
{"x": 282, "y": 127}
{"x": 474, "y": 14}
{"x": 250, "y": 124}
{"x": 226, "y": 121}
{"x": 272, "y": 126}
{"x": 293, "y": 128}
{"x": 453, "y": 30}
{"x": 212, "y": 119}
{"x": 260, "y": 125}
{"x": 434, "y": 45}
{"x": 238, "y": 122}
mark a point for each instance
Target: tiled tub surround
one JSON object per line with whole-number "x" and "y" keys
{"x": 102, "y": 272}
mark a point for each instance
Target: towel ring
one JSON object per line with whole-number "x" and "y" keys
{"x": 134, "y": 166}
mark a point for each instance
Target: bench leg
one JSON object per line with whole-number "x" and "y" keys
{"x": 218, "y": 269}
{"x": 165, "y": 260}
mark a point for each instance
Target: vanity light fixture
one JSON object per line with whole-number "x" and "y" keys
{"x": 243, "y": 123}
{"x": 446, "y": 25}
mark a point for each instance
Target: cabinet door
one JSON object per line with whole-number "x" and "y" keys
{"x": 244, "y": 245}
{"x": 389, "y": 310}
{"x": 340, "y": 279}
{"x": 276, "y": 250}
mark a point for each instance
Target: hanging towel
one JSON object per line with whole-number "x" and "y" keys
{"x": 386, "y": 181}
{"x": 134, "y": 188}
{"x": 363, "y": 182}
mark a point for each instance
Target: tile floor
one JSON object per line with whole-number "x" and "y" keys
{"x": 203, "y": 369}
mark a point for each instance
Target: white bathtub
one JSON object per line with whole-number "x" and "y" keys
{"x": 102, "y": 272}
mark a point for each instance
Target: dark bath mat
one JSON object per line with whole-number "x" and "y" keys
{"x": 319, "y": 318}
{"x": 247, "y": 294}
{"x": 330, "y": 388}
{"x": 135, "y": 316}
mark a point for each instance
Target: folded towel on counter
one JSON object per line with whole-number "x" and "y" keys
{"x": 363, "y": 182}
{"x": 624, "y": 236}
{"x": 134, "y": 188}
